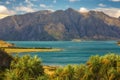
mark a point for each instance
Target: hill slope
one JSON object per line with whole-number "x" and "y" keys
{"x": 60, "y": 25}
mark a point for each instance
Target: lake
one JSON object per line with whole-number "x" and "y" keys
{"x": 73, "y": 53}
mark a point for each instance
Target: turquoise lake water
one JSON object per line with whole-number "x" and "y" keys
{"x": 74, "y": 52}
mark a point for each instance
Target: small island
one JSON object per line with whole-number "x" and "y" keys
{"x": 76, "y": 40}
{"x": 10, "y": 48}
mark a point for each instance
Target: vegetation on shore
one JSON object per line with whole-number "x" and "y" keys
{"x": 105, "y": 67}
{"x": 20, "y": 50}
{"x": 10, "y": 48}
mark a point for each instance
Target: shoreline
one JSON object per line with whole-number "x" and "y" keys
{"x": 12, "y": 50}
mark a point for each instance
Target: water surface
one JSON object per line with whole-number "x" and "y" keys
{"x": 74, "y": 52}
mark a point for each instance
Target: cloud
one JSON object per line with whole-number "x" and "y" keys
{"x": 115, "y": 0}
{"x": 73, "y": 0}
{"x": 54, "y": 1}
{"x": 33, "y": 0}
{"x": 101, "y": 5}
{"x": 52, "y": 10}
{"x": 83, "y": 9}
{"x": 43, "y": 6}
{"x": 114, "y": 12}
{"x": 29, "y": 7}
{"x": 24, "y": 9}
{"x": 29, "y": 3}
{"x": 7, "y": 2}
{"x": 46, "y": 7}
{"x": 4, "y": 11}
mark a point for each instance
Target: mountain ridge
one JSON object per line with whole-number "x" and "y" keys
{"x": 60, "y": 25}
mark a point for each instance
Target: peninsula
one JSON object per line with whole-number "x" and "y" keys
{"x": 10, "y": 48}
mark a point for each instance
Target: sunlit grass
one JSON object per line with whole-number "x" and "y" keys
{"x": 20, "y": 50}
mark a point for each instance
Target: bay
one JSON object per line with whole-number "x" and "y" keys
{"x": 73, "y": 53}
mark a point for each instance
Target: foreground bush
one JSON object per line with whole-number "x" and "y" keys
{"x": 24, "y": 68}
{"x": 96, "y": 68}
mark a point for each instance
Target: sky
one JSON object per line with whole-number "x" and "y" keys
{"x": 13, "y": 7}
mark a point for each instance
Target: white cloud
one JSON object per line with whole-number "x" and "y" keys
{"x": 4, "y": 11}
{"x": 114, "y": 12}
{"x": 73, "y": 0}
{"x": 54, "y": 1}
{"x": 101, "y": 5}
{"x": 115, "y": 0}
{"x": 29, "y": 3}
{"x": 43, "y": 6}
{"x": 46, "y": 7}
{"x": 52, "y": 10}
{"x": 12, "y": 0}
{"x": 83, "y": 9}
{"x": 33, "y": 0}
{"x": 25, "y": 9}
{"x": 7, "y": 2}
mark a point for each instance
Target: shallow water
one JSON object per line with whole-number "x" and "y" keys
{"x": 74, "y": 52}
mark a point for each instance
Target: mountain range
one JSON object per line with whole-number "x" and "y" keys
{"x": 60, "y": 25}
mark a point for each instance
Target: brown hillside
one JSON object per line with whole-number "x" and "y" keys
{"x": 5, "y": 44}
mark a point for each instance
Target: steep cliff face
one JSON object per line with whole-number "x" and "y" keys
{"x": 60, "y": 25}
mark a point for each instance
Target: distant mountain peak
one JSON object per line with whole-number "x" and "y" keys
{"x": 43, "y": 12}
{"x": 96, "y": 12}
{"x": 60, "y": 25}
{"x": 70, "y": 10}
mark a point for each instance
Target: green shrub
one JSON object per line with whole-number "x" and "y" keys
{"x": 24, "y": 68}
{"x": 105, "y": 67}
{"x": 97, "y": 68}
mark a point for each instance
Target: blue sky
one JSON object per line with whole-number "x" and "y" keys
{"x": 12, "y": 7}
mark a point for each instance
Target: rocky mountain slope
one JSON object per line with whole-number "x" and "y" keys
{"x": 60, "y": 25}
